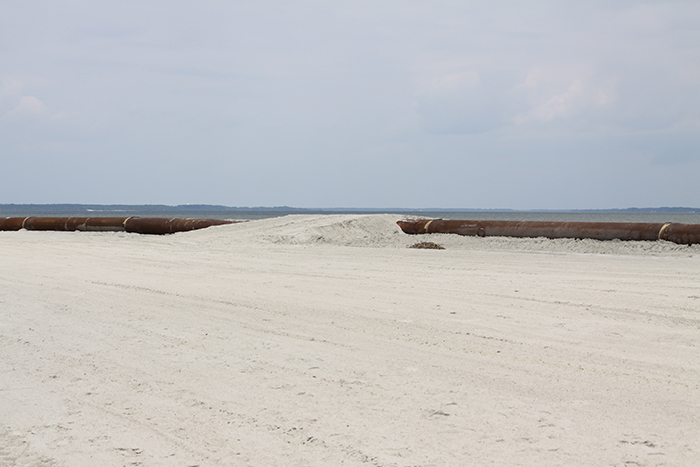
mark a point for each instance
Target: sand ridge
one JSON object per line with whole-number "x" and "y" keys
{"x": 380, "y": 230}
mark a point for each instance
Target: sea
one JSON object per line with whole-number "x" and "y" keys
{"x": 652, "y": 215}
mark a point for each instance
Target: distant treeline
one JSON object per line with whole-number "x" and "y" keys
{"x": 644, "y": 210}
{"x": 134, "y": 207}
{"x": 87, "y": 208}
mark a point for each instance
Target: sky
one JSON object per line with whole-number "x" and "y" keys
{"x": 374, "y": 104}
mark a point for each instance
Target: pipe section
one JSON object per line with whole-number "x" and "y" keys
{"x": 159, "y": 226}
{"x": 142, "y": 225}
{"x": 69, "y": 224}
{"x": 11, "y": 223}
{"x": 685, "y": 234}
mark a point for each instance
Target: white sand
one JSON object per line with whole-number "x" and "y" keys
{"x": 324, "y": 341}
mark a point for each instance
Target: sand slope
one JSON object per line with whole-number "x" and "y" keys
{"x": 323, "y": 340}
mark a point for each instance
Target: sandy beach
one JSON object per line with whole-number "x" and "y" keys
{"x": 323, "y": 340}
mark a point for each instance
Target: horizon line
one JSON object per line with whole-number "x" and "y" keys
{"x": 199, "y": 206}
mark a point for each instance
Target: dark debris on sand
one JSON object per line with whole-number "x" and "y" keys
{"x": 427, "y": 246}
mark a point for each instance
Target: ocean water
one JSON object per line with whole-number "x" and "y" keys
{"x": 213, "y": 212}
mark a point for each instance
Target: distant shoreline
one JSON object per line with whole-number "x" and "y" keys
{"x": 63, "y": 207}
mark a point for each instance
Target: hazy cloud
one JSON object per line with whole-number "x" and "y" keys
{"x": 29, "y": 106}
{"x": 551, "y": 99}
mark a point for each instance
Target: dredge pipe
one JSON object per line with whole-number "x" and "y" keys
{"x": 142, "y": 225}
{"x": 11, "y": 223}
{"x": 69, "y": 224}
{"x": 160, "y": 226}
{"x": 685, "y": 234}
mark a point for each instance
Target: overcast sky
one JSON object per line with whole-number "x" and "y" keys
{"x": 452, "y": 104}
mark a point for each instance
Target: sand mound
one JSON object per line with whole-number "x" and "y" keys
{"x": 345, "y": 230}
{"x": 381, "y": 231}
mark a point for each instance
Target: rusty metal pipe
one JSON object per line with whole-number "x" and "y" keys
{"x": 686, "y": 234}
{"x": 160, "y": 226}
{"x": 143, "y": 225}
{"x": 683, "y": 234}
{"x": 70, "y": 224}
{"x": 99, "y": 224}
{"x": 11, "y": 223}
